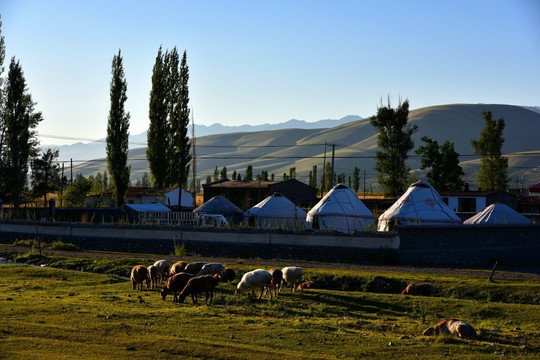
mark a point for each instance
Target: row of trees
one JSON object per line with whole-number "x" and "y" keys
{"x": 442, "y": 162}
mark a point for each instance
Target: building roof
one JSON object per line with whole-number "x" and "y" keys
{"x": 535, "y": 188}
{"x": 498, "y": 214}
{"x": 235, "y": 184}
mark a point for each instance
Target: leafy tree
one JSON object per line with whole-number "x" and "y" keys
{"x": 292, "y": 173}
{"x": 78, "y": 191}
{"x": 17, "y": 136}
{"x": 356, "y": 179}
{"x": 215, "y": 177}
{"x": 234, "y": 175}
{"x": 208, "y": 179}
{"x": 249, "y": 173}
{"x": 118, "y": 132}
{"x": 158, "y": 131}
{"x": 45, "y": 174}
{"x": 145, "y": 180}
{"x": 493, "y": 174}
{"x": 443, "y": 162}
{"x": 313, "y": 177}
{"x": 179, "y": 151}
{"x": 223, "y": 173}
{"x": 394, "y": 142}
{"x": 272, "y": 176}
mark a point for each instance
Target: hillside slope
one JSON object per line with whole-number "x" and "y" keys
{"x": 356, "y": 143}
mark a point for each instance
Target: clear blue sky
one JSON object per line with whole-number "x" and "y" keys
{"x": 254, "y": 62}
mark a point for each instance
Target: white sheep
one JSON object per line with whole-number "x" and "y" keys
{"x": 211, "y": 269}
{"x": 163, "y": 267}
{"x": 257, "y": 278}
{"x": 153, "y": 275}
{"x": 291, "y": 275}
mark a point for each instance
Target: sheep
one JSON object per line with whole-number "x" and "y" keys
{"x": 420, "y": 289}
{"x": 163, "y": 267}
{"x": 211, "y": 269}
{"x": 177, "y": 267}
{"x": 291, "y": 275}
{"x": 199, "y": 284}
{"x": 227, "y": 275}
{"x": 306, "y": 285}
{"x": 277, "y": 278}
{"x": 153, "y": 275}
{"x": 257, "y": 278}
{"x": 175, "y": 284}
{"x": 194, "y": 268}
{"x": 139, "y": 274}
{"x": 452, "y": 327}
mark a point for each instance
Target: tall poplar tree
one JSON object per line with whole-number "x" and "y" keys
{"x": 46, "y": 174}
{"x": 356, "y": 179}
{"x": 493, "y": 174}
{"x": 158, "y": 131}
{"x": 394, "y": 142}
{"x": 18, "y": 137}
{"x": 118, "y": 132}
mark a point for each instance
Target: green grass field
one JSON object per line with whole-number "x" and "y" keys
{"x": 48, "y": 313}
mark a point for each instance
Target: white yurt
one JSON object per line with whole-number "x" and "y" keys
{"x": 498, "y": 214}
{"x": 341, "y": 210}
{"x": 277, "y": 211}
{"x": 420, "y": 205}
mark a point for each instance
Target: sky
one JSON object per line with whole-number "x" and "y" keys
{"x": 255, "y": 62}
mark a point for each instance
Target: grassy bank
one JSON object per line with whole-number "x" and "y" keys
{"x": 48, "y": 313}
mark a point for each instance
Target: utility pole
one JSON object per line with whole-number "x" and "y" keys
{"x": 332, "y": 173}
{"x": 323, "y": 182}
{"x": 62, "y": 186}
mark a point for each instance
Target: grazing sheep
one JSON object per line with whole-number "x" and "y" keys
{"x": 163, "y": 267}
{"x": 175, "y": 284}
{"x": 194, "y": 268}
{"x": 153, "y": 276}
{"x": 227, "y": 275}
{"x": 452, "y": 327}
{"x": 277, "y": 278}
{"x": 200, "y": 284}
{"x": 177, "y": 267}
{"x": 420, "y": 289}
{"x": 139, "y": 274}
{"x": 306, "y": 285}
{"x": 257, "y": 278}
{"x": 291, "y": 275}
{"x": 211, "y": 269}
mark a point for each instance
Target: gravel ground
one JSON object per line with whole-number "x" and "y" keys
{"x": 519, "y": 273}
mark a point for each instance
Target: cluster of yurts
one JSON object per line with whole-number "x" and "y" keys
{"x": 341, "y": 210}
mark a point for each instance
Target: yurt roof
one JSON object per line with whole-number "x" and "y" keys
{"x": 420, "y": 203}
{"x": 277, "y": 205}
{"x": 218, "y": 204}
{"x": 340, "y": 200}
{"x": 498, "y": 213}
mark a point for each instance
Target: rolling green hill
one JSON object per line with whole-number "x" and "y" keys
{"x": 356, "y": 143}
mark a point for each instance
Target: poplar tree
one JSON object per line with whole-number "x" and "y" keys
{"x": 17, "y": 138}
{"x": 118, "y": 132}
{"x": 158, "y": 131}
{"x": 356, "y": 179}
{"x": 493, "y": 174}
{"x": 394, "y": 142}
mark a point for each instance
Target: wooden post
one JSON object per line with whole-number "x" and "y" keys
{"x": 492, "y": 272}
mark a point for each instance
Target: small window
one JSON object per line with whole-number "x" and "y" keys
{"x": 466, "y": 205}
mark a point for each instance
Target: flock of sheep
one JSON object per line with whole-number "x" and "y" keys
{"x": 183, "y": 279}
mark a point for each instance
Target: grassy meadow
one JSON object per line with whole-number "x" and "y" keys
{"x": 51, "y": 313}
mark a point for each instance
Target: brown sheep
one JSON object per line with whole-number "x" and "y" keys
{"x": 139, "y": 274}
{"x": 277, "y": 279}
{"x": 227, "y": 275}
{"x": 452, "y": 327}
{"x": 306, "y": 285}
{"x": 200, "y": 284}
{"x": 175, "y": 284}
{"x": 153, "y": 276}
{"x": 194, "y": 268}
{"x": 420, "y": 289}
{"x": 178, "y": 267}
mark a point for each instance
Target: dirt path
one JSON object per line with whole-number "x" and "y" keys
{"x": 529, "y": 273}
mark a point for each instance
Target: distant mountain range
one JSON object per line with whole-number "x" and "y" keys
{"x": 94, "y": 150}
{"x": 277, "y": 150}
